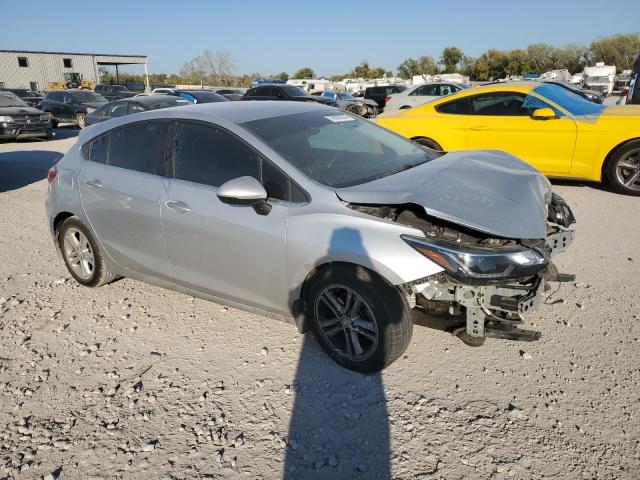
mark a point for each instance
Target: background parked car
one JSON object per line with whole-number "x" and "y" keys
{"x": 591, "y": 95}
{"x": 28, "y": 96}
{"x": 420, "y": 94}
{"x": 346, "y": 101}
{"x": 19, "y": 120}
{"x": 380, "y": 94}
{"x": 200, "y": 96}
{"x": 71, "y": 105}
{"x": 285, "y": 92}
{"x": 129, "y": 106}
{"x": 231, "y": 93}
{"x": 114, "y": 92}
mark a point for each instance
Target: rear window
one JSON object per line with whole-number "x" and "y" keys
{"x": 460, "y": 107}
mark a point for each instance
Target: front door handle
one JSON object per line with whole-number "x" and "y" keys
{"x": 95, "y": 183}
{"x": 178, "y": 206}
{"x": 479, "y": 128}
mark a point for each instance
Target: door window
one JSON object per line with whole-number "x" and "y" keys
{"x": 117, "y": 110}
{"x": 135, "y": 108}
{"x": 136, "y": 147}
{"x": 499, "y": 104}
{"x": 209, "y": 156}
{"x": 96, "y": 150}
{"x": 457, "y": 107}
{"x": 426, "y": 90}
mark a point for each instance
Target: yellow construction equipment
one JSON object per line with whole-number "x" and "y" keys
{"x": 72, "y": 80}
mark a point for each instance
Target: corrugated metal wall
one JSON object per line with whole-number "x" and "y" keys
{"x": 49, "y": 67}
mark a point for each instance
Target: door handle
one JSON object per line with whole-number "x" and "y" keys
{"x": 178, "y": 206}
{"x": 479, "y": 128}
{"x": 95, "y": 183}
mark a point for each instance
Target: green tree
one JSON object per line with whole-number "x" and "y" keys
{"x": 517, "y": 62}
{"x": 541, "y": 56}
{"x": 283, "y": 76}
{"x": 619, "y": 50}
{"x": 573, "y": 57}
{"x": 450, "y": 59}
{"x": 305, "y": 72}
{"x": 408, "y": 68}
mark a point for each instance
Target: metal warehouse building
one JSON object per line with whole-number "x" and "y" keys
{"x": 34, "y": 70}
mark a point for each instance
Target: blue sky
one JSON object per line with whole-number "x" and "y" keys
{"x": 329, "y": 36}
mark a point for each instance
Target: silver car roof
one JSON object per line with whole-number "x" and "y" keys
{"x": 220, "y": 112}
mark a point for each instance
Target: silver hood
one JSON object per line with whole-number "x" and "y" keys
{"x": 489, "y": 191}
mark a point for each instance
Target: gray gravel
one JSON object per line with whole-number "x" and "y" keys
{"x": 133, "y": 381}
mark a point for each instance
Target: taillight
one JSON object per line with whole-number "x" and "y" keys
{"x": 386, "y": 100}
{"x": 51, "y": 174}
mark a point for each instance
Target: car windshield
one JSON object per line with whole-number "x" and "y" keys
{"x": 294, "y": 91}
{"x": 8, "y": 99}
{"x": 88, "y": 97}
{"x": 207, "y": 97}
{"x": 570, "y": 101}
{"x": 345, "y": 96}
{"x": 338, "y": 150}
{"x": 168, "y": 102}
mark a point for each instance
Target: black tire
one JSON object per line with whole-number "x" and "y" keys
{"x": 389, "y": 310}
{"x": 80, "y": 120}
{"x": 427, "y": 142}
{"x": 54, "y": 123}
{"x": 355, "y": 109}
{"x": 615, "y": 172}
{"x": 100, "y": 275}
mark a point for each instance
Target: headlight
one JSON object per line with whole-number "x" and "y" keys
{"x": 44, "y": 118}
{"x": 5, "y": 118}
{"x": 90, "y": 109}
{"x": 465, "y": 263}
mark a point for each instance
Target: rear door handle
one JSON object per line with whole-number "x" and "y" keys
{"x": 479, "y": 128}
{"x": 178, "y": 206}
{"x": 95, "y": 183}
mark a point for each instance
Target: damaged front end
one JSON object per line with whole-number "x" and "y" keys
{"x": 489, "y": 284}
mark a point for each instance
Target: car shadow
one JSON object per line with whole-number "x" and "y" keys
{"x": 603, "y": 186}
{"x": 339, "y": 424}
{"x": 22, "y": 168}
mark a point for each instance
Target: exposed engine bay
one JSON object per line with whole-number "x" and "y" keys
{"x": 489, "y": 284}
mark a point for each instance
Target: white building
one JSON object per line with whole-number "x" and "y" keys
{"x": 34, "y": 70}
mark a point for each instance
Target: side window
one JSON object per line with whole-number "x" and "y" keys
{"x": 67, "y": 98}
{"x": 532, "y": 103}
{"x": 135, "y": 108}
{"x": 457, "y": 107}
{"x": 117, "y": 110}
{"x": 498, "y": 104}
{"x": 96, "y": 150}
{"x": 276, "y": 92}
{"x": 136, "y": 147}
{"x": 209, "y": 156}
{"x": 275, "y": 182}
{"x": 444, "y": 90}
{"x": 428, "y": 91}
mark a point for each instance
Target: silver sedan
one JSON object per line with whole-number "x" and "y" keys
{"x": 305, "y": 213}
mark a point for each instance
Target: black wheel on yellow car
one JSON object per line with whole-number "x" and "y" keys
{"x": 623, "y": 169}
{"x": 429, "y": 143}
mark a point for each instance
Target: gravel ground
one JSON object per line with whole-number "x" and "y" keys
{"x": 132, "y": 381}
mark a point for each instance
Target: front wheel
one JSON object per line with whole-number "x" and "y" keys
{"x": 80, "y": 120}
{"x": 623, "y": 170}
{"x": 54, "y": 122}
{"x": 360, "y": 320}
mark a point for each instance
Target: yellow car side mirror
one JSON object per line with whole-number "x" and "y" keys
{"x": 543, "y": 114}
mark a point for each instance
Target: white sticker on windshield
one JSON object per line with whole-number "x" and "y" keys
{"x": 339, "y": 118}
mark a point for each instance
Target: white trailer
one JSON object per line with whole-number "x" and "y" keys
{"x": 601, "y": 78}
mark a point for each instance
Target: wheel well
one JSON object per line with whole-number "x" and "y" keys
{"x": 428, "y": 138}
{"x": 405, "y": 107}
{"x": 298, "y": 307}
{"x": 61, "y": 217}
{"x": 610, "y": 155}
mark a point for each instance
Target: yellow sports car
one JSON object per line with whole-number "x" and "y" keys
{"x": 547, "y": 125}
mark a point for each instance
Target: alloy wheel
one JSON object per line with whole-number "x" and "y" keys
{"x": 628, "y": 169}
{"x": 346, "y": 322}
{"x": 78, "y": 252}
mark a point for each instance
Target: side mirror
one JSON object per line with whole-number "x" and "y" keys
{"x": 543, "y": 114}
{"x": 245, "y": 191}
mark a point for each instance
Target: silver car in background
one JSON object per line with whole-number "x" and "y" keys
{"x": 306, "y": 213}
{"x": 420, "y": 94}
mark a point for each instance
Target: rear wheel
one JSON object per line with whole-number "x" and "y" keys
{"x": 623, "y": 169}
{"x": 82, "y": 255}
{"x": 355, "y": 109}
{"x": 427, "y": 142}
{"x": 360, "y": 320}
